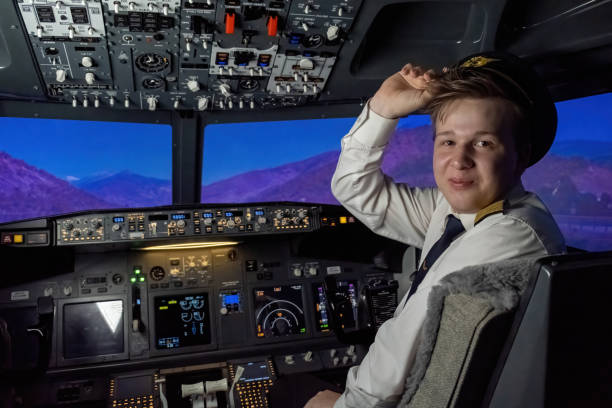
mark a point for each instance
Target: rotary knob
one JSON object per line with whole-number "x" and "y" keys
{"x": 193, "y": 85}
{"x": 181, "y": 224}
{"x": 116, "y": 227}
{"x": 90, "y": 78}
{"x": 87, "y": 62}
{"x": 289, "y": 360}
{"x": 333, "y": 31}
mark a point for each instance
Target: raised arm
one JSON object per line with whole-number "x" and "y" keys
{"x": 390, "y": 209}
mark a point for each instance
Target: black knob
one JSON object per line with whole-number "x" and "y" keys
{"x": 281, "y": 327}
{"x": 117, "y": 279}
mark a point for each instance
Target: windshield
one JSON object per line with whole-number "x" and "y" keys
{"x": 295, "y": 161}
{"x": 51, "y": 166}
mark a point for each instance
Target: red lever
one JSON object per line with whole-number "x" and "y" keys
{"x": 230, "y": 20}
{"x": 272, "y": 26}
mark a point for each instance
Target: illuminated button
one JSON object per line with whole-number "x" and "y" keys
{"x": 18, "y": 239}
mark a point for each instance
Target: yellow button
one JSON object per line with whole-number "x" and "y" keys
{"x": 343, "y": 220}
{"x": 18, "y": 239}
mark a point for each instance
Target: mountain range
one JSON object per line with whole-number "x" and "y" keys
{"x": 26, "y": 191}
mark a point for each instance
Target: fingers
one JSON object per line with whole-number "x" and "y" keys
{"x": 417, "y": 72}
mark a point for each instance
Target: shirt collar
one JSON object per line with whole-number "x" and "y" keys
{"x": 470, "y": 219}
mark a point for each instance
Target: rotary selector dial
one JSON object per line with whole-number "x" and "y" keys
{"x": 157, "y": 273}
{"x": 87, "y": 62}
{"x": 193, "y": 85}
{"x": 90, "y": 78}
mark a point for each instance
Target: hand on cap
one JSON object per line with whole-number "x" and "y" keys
{"x": 403, "y": 92}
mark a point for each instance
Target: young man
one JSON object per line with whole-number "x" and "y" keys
{"x": 492, "y": 118}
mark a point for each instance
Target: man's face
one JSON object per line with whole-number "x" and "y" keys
{"x": 475, "y": 161}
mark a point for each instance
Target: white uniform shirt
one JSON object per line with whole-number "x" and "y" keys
{"x": 417, "y": 217}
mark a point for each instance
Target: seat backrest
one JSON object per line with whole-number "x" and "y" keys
{"x": 469, "y": 316}
{"x": 559, "y": 351}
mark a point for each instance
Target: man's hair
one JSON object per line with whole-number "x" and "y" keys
{"x": 460, "y": 83}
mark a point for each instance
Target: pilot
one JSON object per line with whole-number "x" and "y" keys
{"x": 492, "y": 118}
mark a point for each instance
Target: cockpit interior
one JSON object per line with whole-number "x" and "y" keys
{"x": 168, "y": 236}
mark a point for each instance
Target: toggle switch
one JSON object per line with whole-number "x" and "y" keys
{"x": 152, "y": 102}
{"x": 60, "y": 75}
{"x": 202, "y": 104}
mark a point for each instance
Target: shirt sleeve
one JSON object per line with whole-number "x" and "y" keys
{"x": 387, "y": 208}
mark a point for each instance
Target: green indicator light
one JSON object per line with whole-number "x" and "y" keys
{"x": 133, "y": 280}
{"x": 302, "y": 330}
{"x": 137, "y": 271}
{"x": 142, "y": 278}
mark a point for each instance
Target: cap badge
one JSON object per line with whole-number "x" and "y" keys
{"x": 478, "y": 61}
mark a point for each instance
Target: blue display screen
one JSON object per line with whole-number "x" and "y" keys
{"x": 118, "y": 219}
{"x": 229, "y": 214}
{"x": 259, "y": 212}
{"x": 179, "y": 216}
{"x": 207, "y": 215}
{"x": 230, "y": 299}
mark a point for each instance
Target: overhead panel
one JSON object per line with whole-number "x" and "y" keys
{"x": 185, "y": 54}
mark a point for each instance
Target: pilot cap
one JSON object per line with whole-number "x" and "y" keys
{"x": 525, "y": 88}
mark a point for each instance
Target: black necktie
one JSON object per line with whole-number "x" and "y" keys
{"x": 453, "y": 228}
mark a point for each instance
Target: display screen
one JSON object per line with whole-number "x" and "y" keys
{"x": 180, "y": 216}
{"x": 133, "y": 386}
{"x": 348, "y": 307}
{"x": 93, "y": 329}
{"x": 182, "y": 321}
{"x": 118, "y": 219}
{"x": 279, "y": 311}
{"x": 255, "y": 371}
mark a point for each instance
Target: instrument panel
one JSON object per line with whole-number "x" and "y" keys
{"x": 179, "y": 304}
{"x": 186, "y": 54}
{"x": 204, "y": 222}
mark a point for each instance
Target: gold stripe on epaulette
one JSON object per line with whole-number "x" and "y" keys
{"x": 494, "y": 208}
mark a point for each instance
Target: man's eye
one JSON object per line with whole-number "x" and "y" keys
{"x": 484, "y": 143}
{"x": 447, "y": 143}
